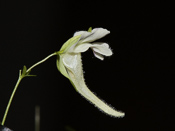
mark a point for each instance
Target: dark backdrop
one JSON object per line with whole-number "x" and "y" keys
{"x": 137, "y": 79}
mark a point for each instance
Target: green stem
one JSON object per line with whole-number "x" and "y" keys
{"x": 21, "y": 76}
{"x": 41, "y": 61}
{"x": 11, "y": 98}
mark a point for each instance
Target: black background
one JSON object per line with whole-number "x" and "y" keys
{"x": 137, "y": 79}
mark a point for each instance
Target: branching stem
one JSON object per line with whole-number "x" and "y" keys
{"x": 21, "y": 76}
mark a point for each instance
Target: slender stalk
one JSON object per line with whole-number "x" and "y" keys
{"x": 41, "y": 61}
{"x": 21, "y": 76}
{"x": 11, "y": 98}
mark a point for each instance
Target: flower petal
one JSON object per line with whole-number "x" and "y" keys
{"x": 83, "y": 34}
{"x": 82, "y": 47}
{"x": 95, "y": 34}
{"x": 99, "y": 56}
{"x": 101, "y": 48}
{"x": 75, "y": 72}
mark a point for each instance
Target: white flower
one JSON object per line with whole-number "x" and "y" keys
{"x": 69, "y": 63}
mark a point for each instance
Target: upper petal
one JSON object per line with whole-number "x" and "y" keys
{"x": 84, "y": 34}
{"x": 95, "y": 34}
